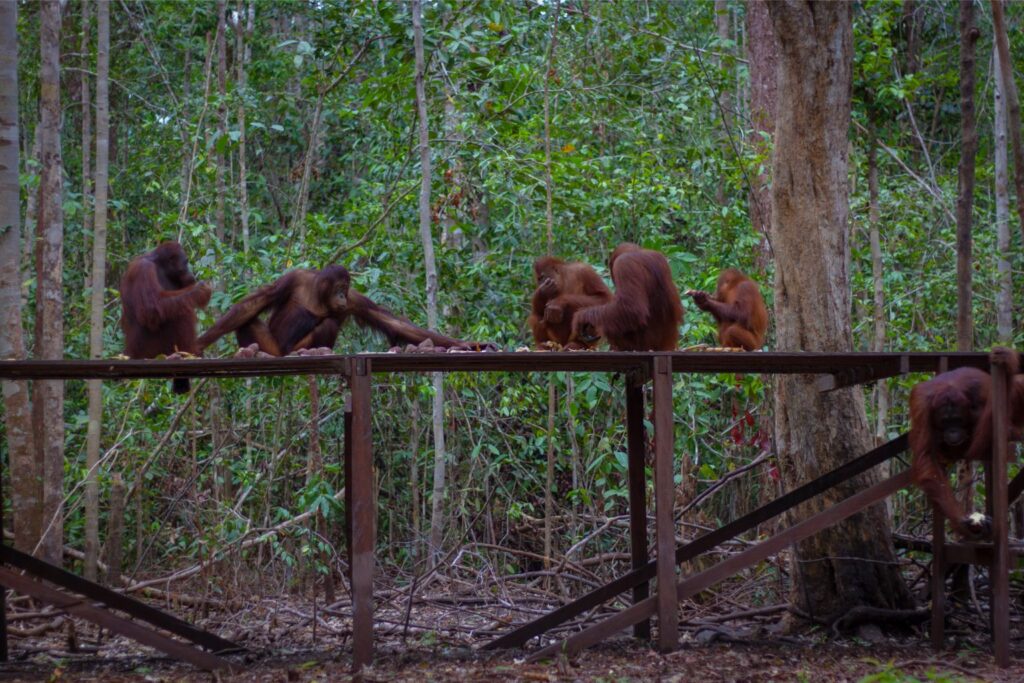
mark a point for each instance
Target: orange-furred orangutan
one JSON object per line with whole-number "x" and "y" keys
{"x": 738, "y": 309}
{"x": 159, "y": 298}
{"x": 951, "y": 420}
{"x": 645, "y": 313}
{"x": 306, "y": 309}
{"x": 563, "y": 289}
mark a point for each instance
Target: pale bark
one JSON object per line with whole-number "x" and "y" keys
{"x": 910, "y": 33}
{"x": 302, "y": 201}
{"x": 437, "y": 508}
{"x": 1012, "y": 105}
{"x": 965, "y": 199}
{"x": 1004, "y": 295}
{"x": 850, "y": 563}
{"x": 243, "y": 54}
{"x": 763, "y": 59}
{"x": 222, "y": 116}
{"x": 724, "y": 96}
{"x": 549, "y": 215}
{"x": 99, "y": 279}
{"x": 877, "y": 277}
{"x": 115, "y": 530}
{"x": 414, "y": 473}
{"x": 25, "y": 475}
{"x": 48, "y": 395}
{"x": 86, "y": 134}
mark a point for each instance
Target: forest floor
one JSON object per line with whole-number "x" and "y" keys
{"x": 438, "y": 640}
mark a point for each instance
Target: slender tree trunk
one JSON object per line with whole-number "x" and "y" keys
{"x": 242, "y": 55}
{"x": 1012, "y": 105}
{"x": 302, "y": 201}
{"x": 115, "y": 529}
{"x": 763, "y": 59}
{"x": 549, "y": 215}
{"x": 965, "y": 200}
{"x": 1004, "y": 296}
{"x": 964, "y": 207}
{"x": 26, "y": 473}
{"x": 222, "y": 115}
{"x": 99, "y": 278}
{"x": 910, "y": 34}
{"x": 48, "y": 395}
{"x": 86, "y": 137}
{"x": 877, "y": 276}
{"x": 414, "y": 473}
{"x": 31, "y": 223}
{"x": 724, "y": 96}
{"x": 851, "y": 563}
{"x": 437, "y": 503}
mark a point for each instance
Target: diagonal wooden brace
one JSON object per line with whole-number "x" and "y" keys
{"x": 102, "y": 617}
{"x": 727, "y": 567}
{"x": 112, "y": 599}
{"x": 703, "y": 544}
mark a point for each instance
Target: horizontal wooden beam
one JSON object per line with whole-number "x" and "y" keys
{"x": 854, "y": 364}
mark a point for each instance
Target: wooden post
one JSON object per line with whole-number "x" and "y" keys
{"x": 664, "y": 498}
{"x": 3, "y": 590}
{"x": 997, "y": 497}
{"x": 364, "y": 517}
{"x": 347, "y": 472}
{"x": 637, "y": 492}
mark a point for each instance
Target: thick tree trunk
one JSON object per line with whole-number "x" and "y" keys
{"x": 48, "y": 396}
{"x": 1004, "y": 295}
{"x": 851, "y": 563}
{"x": 1012, "y": 104}
{"x": 965, "y": 200}
{"x": 99, "y": 278}
{"x": 763, "y": 61}
{"x": 437, "y": 503}
{"x": 26, "y": 472}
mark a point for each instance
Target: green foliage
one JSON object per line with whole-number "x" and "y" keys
{"x": 638, "y": 152}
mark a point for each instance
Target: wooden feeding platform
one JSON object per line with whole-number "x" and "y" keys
{"x": 834, "y": 370}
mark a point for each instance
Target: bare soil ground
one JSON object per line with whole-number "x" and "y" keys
{"x": 439, "y": 641}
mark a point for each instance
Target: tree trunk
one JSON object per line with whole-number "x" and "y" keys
{"x": 763, "y": 58}
{"x": 414, "y": 473}
{"x": 222, "y": 116}
{"x": 549, "y": 215}
{"x": 48, "y": 395}
{"x": 1012, "y": 105}
{"x": 965, "y": 200}
{"x": 877, "y": 275}
{"x": 910, "y": 34}
{"x": 851, "y": 563}
{"x": 436, "y": 510}
{"x": 86, "y": 135}
{"x": 1004, "y": 295}
{"x": 26, "y": 473}
{"x": 115, "y": 529}
{"x": 302, "y": 201}
{"x": 99, "y": 278}
{"x": 724, "y": 96}
{"x": 243, "y": 54}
